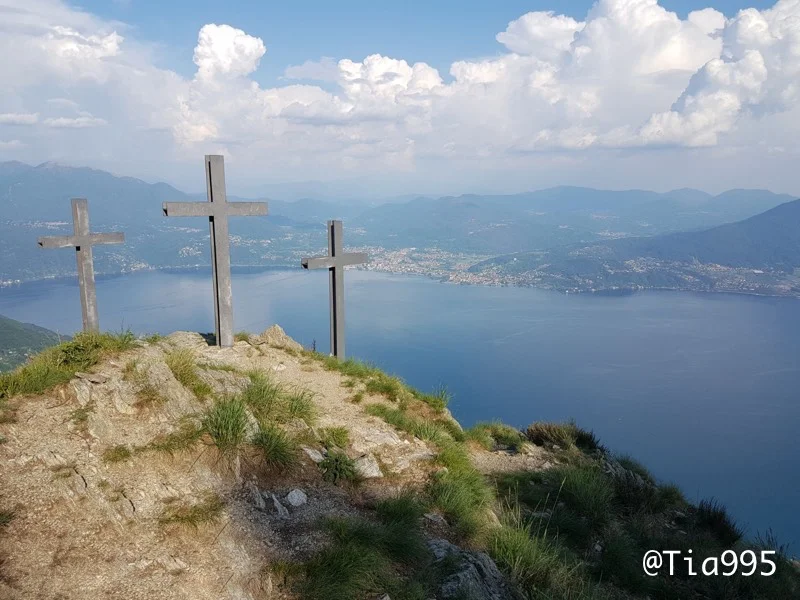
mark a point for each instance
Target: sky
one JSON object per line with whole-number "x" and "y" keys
{"x": 382, "y": 99}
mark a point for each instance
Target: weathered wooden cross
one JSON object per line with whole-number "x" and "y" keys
{"x": 335, "y": 263}
{"x": 218, "y": 209}
{"x": 83, "y": 240}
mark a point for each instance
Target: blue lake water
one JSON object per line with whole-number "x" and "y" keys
{"x": 702, "y": 388}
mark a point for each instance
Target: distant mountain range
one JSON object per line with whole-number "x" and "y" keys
{"x": 759, "y": 254}
{"x": 34, "y": 201}
{"x": 19, "y": 340}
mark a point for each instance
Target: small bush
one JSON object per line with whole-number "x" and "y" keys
{"x": 714, "y": 516}
{"x": 277, "y": 448}
{"x": 335, "y": 437}
{"x": 183, "y": 365}
{"x": 499, "y": 433}
{"x": 563, "y": 435}
{"x": 208, "y": 510}
{"x": 337, "y": 467}
{"x": 117, "y": 454}
{"x": 226, "y": 423}
{"x": 586, "y": 490}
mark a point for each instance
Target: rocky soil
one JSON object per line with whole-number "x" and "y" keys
{"x": 86, "y": 526}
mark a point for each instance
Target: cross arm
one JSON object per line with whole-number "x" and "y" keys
{"x": 247, "y": 209}
{"x": 187, "y": 209}
{"x": 58, "y": 241}
{"x": 329, "y": 262}
{"x": 93, "y": 239}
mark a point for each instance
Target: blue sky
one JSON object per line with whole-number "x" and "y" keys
{"x": 437, "y": 97}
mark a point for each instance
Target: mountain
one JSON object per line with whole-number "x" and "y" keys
{"x": 19, "y": 340}
{"x": 757, "y": 254}
{"x": 34, "y": 201}
{"x": 553, "y": 217}
{"x": 168, "y": 469}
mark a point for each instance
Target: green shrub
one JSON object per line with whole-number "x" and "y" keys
{"x": 272, "y": 404}
{"x": 334, "y": 437}
{"x": 563, "y": 435}
{"x": 489, "y": 434}
{"x": 242, "y": 336}
{"x": 277, "y": 448}
{"x": 337, "y": 467}
{"x": 714, "y": 516}
{"x": 587, "y": 490}
{"x": 226, "y": 423}
{"x": 529, "y": 560}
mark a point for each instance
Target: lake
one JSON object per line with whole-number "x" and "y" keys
{"x": 701, "y": 388}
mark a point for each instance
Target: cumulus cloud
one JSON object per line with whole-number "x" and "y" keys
{"x": 223, "y": 51}
{"x": 628, "y": 75}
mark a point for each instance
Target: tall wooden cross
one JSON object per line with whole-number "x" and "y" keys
{"x": 82, "y": 240}
{"x": 218, "y": 209}
{"x": 335, "y": 262}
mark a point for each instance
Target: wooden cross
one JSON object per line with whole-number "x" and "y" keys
{"x": 335, "y": 263}
{"x": 82, "y": 240}
{"x": 218, "y": 209}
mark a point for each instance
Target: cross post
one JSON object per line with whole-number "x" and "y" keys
{"x": 218, "y": 209}
{"x": 83, "y": 240}
{"x": 335, "y": 262}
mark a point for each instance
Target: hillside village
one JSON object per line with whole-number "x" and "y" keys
{"x": 167, "y": 468}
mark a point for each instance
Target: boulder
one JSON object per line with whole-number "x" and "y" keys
{"x": 277, "y": 338}
{"x": 296, "y": 497}
{"x": 368, "y": 467}
{"x": 475, "y": 575}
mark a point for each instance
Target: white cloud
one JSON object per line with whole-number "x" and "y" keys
{"x": 565, "y": 92}
{"x": 18, "y": 118}
{"x": 225, "y": 51}
{"x": 74, "y": 123}
{"x": 10, "y": 144}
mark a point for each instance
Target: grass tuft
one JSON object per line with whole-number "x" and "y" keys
{"x": 183, "y": 365}
{"x": 226, "y": 423}
{"x": 277, "y": 448}
{"x": 714, "y": 516}
{"x": 6, "y": 516}
{"x": 563, "y": 435}
{"x": 334, "y": 437}
{"x": 208, "y": 510}
{"x": 270, "y": 403}
{"x": 181, "y": 440}
{"x": 242, "y": 336}
{"x": 117, "y": 454}
{"x": 59, "y": 364}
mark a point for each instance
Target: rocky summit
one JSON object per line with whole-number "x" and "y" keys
{"x": 167, "y": 468}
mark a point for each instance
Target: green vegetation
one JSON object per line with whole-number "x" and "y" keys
{"x": 207, "y": 510}
{"x": 242, "y": 336}
{"x": 490, "y": 435}
{"x": 334, "y": 437}
{"x": 147, "y": 394}
{"x": 713, "y": 515}
{"x": 279, "y": 451}
{"x": 59, "y": 364}
{"x": 366, "y": 558}
{"x": 425, "y": 430}
{"x": 183, "y": 365}
{"x": 567, "y": 436}
{"x": 272, "y": 404}
{"x": 337, "y": 467}
{"x": 181, "y": 440}
{"x": 153, "y": 338}
{"x": 226, "y": 423}
{"x": 117, "y": 454}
